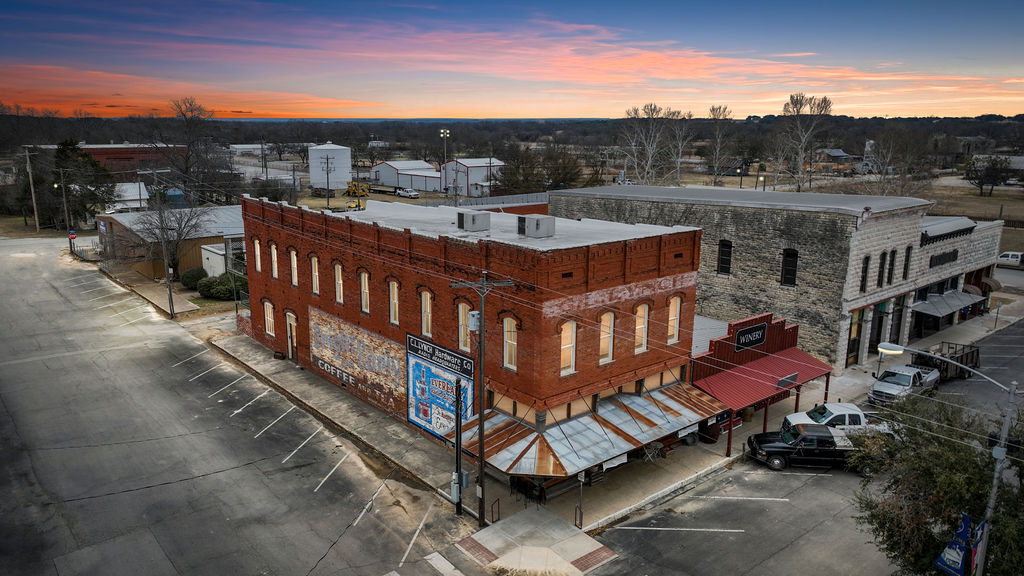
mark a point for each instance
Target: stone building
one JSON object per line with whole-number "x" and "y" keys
{"x": 850, "y": 270}
{"x": 586, "y": 351}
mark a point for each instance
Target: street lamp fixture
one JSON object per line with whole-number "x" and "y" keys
{"x": 445, "y": 133}
{"x": 739, "y": 172}
{"x": 998, "y": 452}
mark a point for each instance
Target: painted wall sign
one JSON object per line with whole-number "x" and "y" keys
{"x": 356, "y": 357}
{"x": 751, "y": 336}
{"x": 433, "y": 371}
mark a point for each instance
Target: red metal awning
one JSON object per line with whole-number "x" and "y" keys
{"x": 752, "y": 382}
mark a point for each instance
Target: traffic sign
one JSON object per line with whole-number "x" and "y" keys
{"x": 72, "y": 235}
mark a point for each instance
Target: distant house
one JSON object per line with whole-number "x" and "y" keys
{"x": 471, "y": 176}
{"x": 415, "y": 174}
{"x": 131, "y": 197}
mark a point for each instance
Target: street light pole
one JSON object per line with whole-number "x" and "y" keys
{"x": 998, "y": 452}
{"x": 445, "y": 133}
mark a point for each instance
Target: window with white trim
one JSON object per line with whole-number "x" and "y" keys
{"x": 464, "y": 310}
{"x": 426, "y": 313}
{"x": 568, "y": 348}
{"x": 393, "y": 302}
{"x": 268, "y": 318}
{"x": 364, "y": 291}
{"x": 256, "y": 254}
{"x": 314, "y": 268}
{"x": 273, "y": 260}
{"x": 606, "y": 344}
{"x": 674, "y": 304}
{"x": 338, "y": 285}
{"x": 510, "y": 343}
{"x": 293, "y": 260}
{"x": 640, "y": 335}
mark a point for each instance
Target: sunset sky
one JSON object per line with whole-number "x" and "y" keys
{"x": 511, "y": 59}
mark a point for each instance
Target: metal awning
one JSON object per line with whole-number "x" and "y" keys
{"x": 945, "y": 304}
{"x": 622, "y": 423}
{"x": 761, "y": 379}
{"x": 993, "y": 284}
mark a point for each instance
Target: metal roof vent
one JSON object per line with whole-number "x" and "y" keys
{"x": 473, "y": 221}
{"x": 536, "y": 226}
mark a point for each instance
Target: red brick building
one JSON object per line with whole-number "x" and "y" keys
{"x": 586, "y": 353}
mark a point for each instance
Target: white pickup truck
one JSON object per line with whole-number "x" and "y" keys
{"x": 841, "y": 415}
{"x": 898, "y": 382}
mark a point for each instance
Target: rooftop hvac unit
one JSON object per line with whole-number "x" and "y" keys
{"x": 474, "y": 221}
{"x": 536, "y": 226}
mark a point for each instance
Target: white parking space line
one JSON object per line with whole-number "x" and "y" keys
{"x": 228, "y": 386}
{"x": 247, "y": 404}
{"x": 442, "y": 565}
{"x": 677, "y": 529}
{"x": 416, "y": 535}
{"x": 94, "y": 289}
{"x": 87, "y": 282}
{"x": 119, "y": 292}
{"x": 129, "y": 299}
{"x": 129, "y": 310}
{"x": 205, "y": 350}
{"x": 206, "y": 371}
{"x": 301, "y": 445}
{"x": 132, "y": 321}
{"x": 370, "y": 502}
{"x": 343, "y": 458}
{"x": 87, "y": 275}
{"x": 274, "y": 422}
{"x": 761, "y": 498}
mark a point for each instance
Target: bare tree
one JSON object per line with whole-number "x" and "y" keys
{"x": 160, "y": 229}
{"x": 643, "y": 136}
{"x": 898, "y": 164}
{"x": 682, "y": 135}
{"x": 804, "y": 115}
{"x": 196, "y": 161}
{"x": 719, "y": 142}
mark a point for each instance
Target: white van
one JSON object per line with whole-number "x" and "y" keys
{"x": 1011, "y": 259}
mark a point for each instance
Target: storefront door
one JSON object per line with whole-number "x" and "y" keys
{"x": 853, "y": 343}
{"x": 290, "y": 322}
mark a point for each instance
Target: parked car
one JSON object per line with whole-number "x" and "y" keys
{"x": 1009, "y": 259}
{"x": 408, "y": 193}
{"x": 801, "y": 445}
{"x": 897, "y": 382}
{"x": 841, "y": 415}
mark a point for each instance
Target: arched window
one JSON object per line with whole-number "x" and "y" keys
{"x": 293, "y": 260}
{"x": 865, "y": 267}
{"x": 268, "y": 318}
{"x": 464, "y": 310}
{"x": 364, "y": 291}
{"x": 789, "y": 263}
{"x": 892, "y": 266}
{"x": 640, "y": 335}
{"x": 881, "y": 268}
{"x": 339, "y": 284}
{"x": 674, "y": 304}
{"x": 426, "y": 313}
{"x": 568, "y": 348}
{"x": 314, "y": 272}
{"x": 606, "y": 346}
{"x": 509, "y": 342}
{"x": 273, "y": 260}
{"x": 256, "y": 255}
{"x": 393, "y": 302}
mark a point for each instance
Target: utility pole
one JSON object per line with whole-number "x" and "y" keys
{"x": 482, "y": 287}
{"x": 64, "y": 195}
{"x": 32, "y": 187}
{"x": 457, "y": 481}
{"x": 325, "y": 163}
{"x": 167, "y": 264}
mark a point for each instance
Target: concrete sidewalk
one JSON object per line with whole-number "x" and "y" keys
{"x": 529, "y": 535}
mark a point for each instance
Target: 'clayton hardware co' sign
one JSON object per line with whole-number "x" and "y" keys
{"x": 751, "y": 336}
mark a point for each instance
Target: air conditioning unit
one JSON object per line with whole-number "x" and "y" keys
{"x": 536, "y": 226}
{"x": 472, "y": 221}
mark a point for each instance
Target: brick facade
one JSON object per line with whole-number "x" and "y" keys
{"x": 552, "y": 286}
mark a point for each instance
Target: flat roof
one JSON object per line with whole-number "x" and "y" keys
{"x": 438, "y": 221}
{"x": 217, "y": 220}
{"x": 852, "y": 204}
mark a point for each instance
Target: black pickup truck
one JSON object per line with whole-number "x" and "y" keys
{"x": 801, "y": 445}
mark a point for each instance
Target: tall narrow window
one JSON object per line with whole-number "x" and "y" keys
{"x": 790, "y": 258}
{"x": 268, "y": 318}
{"x": 393, "y": 302}
{"x": 293, "y": 260}
{"x": 640, "y": 336}
{"x": 273, "y": 260}
{"x": 339, "y": 284}
{"x": 364, "y": 291}
{"x": 426, "y": 313}
{"x": 568, "y": 348}
{"x": 906, "y": 263}
{"x": 892, "y": 266}
{"x": 881, "y": 268}
{"x": 463, "y": 326}
{"x": 607, "y": 341}
{"x": 865, "y": 268}
{"x": 256, "y": 254}
{"x": 724, "y": 257}
{"x": 510, "y": 347}
{"x": 674, "y": 304}
{"x": 314, "y": 269}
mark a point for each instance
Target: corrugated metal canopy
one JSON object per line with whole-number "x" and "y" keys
{"x": 752, "y": 382}
{"x": 945, "y": 304}
{"x": 623, "y": 422}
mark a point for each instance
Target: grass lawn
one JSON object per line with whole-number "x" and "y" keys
{"x": 207, "y": 307}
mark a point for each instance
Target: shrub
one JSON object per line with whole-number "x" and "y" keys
{"x": 206, "y": 286}
{"x": 192, "y": 276}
